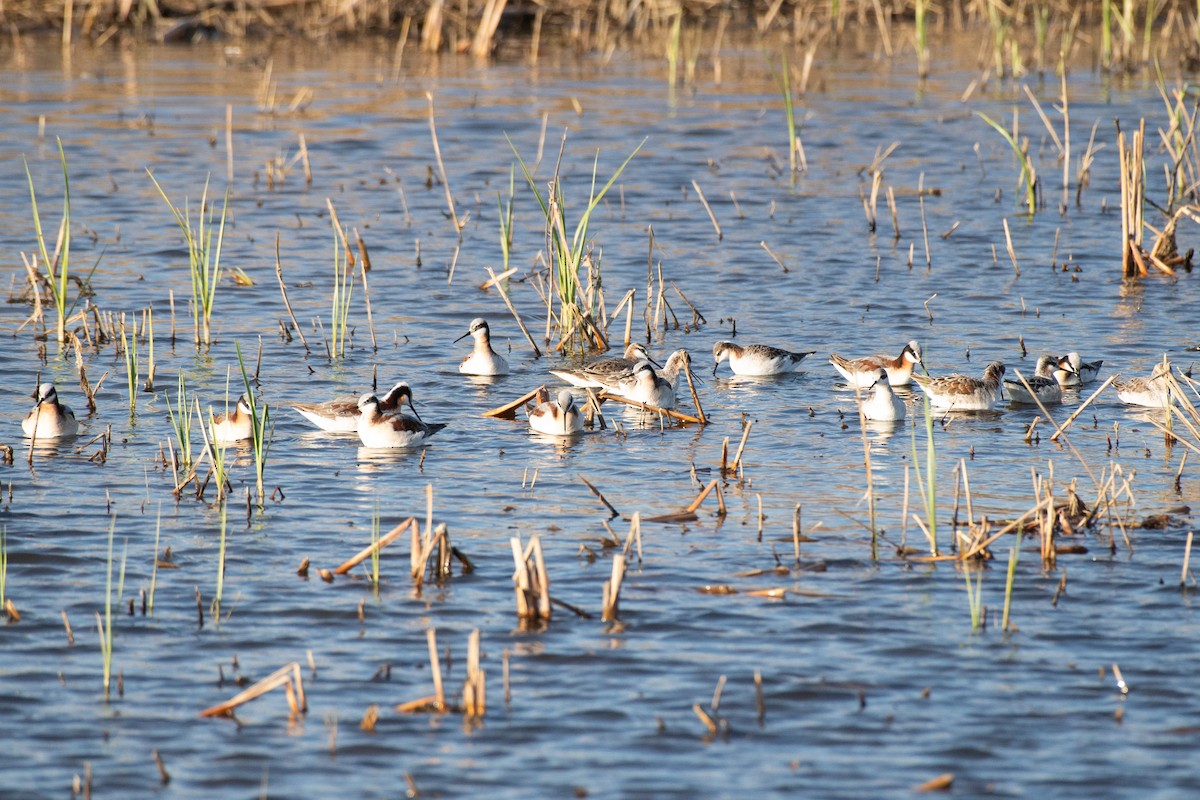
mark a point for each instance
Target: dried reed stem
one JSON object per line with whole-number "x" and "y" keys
{"x": 1062, "y": 428}
{"x": 504, "y": 296}
{"x": 612, "y": 589}
{"x": 437, "y": 151}
{"x": 673, "y": 414}
{"x": 600, "y": 496}
{"x": 711, "y": 215}
{"x": 371, "y": 549}
{"x": 287, "y": 676}
{"x": 283, "y": 291}
{"x": 737, "y": 457}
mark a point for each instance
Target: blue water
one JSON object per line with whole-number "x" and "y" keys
{"x": 873, "y": 679}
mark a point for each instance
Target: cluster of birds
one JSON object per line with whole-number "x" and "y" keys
{"x": 380, "y": 422}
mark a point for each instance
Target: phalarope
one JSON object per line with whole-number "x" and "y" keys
{"x": 861, "y": 371}
{"x": 235, "y": 425}
{"x": 963, "y": 392}
{"x": 605, "y": 371}
{"x": 49, "y": 418}
{"x": 647, "y": 386}
{"x": 882, "y": 403}
{"x": 377, "y": 429}
{"x": 757, "y": 360}
{"x": 1046, "y": 382}
{"x": 341, "y": 414}
{"x": 1081, "y": 372}
{"x": 485, "y": 360}
{"x": 1152, "y": 392}
{"x": 561, "y": 418}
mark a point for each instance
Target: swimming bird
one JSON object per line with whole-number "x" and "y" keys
{"x": 861, "y": 371}
{"x": 1081, "y": 372}
{"x": 1046, "y": 382}
{"x": 677, "y": 364}
{"x": 963, "y": 392}
{"x": 377, "y": 429}
{"x": 341, "y": 414}
{"x": 1152, "y": 392}
{"x": 647, "y": 386}
{"x": 600, "y": 373}
{"x": 49, "y": 418}
{"x": 235, "y": 425}
{"x": 485, "y": 360}
{"x": 881, "y": 403}
{"x": 759, "y": 360}
{"x": 561, "y": 418}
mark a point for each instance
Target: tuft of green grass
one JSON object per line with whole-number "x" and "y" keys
{"x": 343, "y": 292}
{"x": 129, "y": 351}
{"x": 375, "y": 547}
{"x": 921, "y": 22}
{"x": 1028, "y": 173}
{"x": 506, "y": 219}
{"x": 261, "y": 427}
{"x": 105, "y": 625}
{"x": 927, "y": 486}
{"x": 57, "y": 265}
{"x": 789, "y": 110}
{"x": 204, "y": 259}
{"x": 215, "y": 611}
{"x": 216, "y": 451}
{"x": 567, "y": 255}
{"x": 181, "y": 424}
{"x": 974, "y": 594}
{"x": 1013, "y": 555}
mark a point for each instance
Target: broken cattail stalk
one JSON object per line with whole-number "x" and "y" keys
{"x": 759, "y": 703}
{"x": 437, "y": 152}
{"x": 796, "y": 532}
{"x": 706, "y": 718}
{"x": 509, "y": 410}
{"x": 1062, "y": 428}
{"x": 1187, "y": 557}
{"x": 283, "y": 290}
{"x": 287, "y": 676}
{"x": 600, "y": 496}
{"x": 512, "y": 309}
{"x": 612, "y": 590}
{"x": 737, "y": 457}
{"x": 635, "y": 535}
{"x": 676, "y": 415}
{"x": 441, "y": 568}
{"x": 475, "y": 687}
{"x": 711, "y": 215}
{"x": 687, "y": 371}
{"x": 435, "y": 668}
{"x": 532, "y": 585}
{"x": 383, "y": 542}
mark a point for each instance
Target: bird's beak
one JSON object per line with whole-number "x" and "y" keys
{"x": 414, "y": 410}
{"x": 465, "y": 335}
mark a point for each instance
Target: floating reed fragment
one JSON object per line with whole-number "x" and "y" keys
{"x": 204, "y": 259}
{"x": 600, "y": 497}
{"x": 689, "y": 513}
{"x": 941, "y": 783}
{"x": 287, "y": 676}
